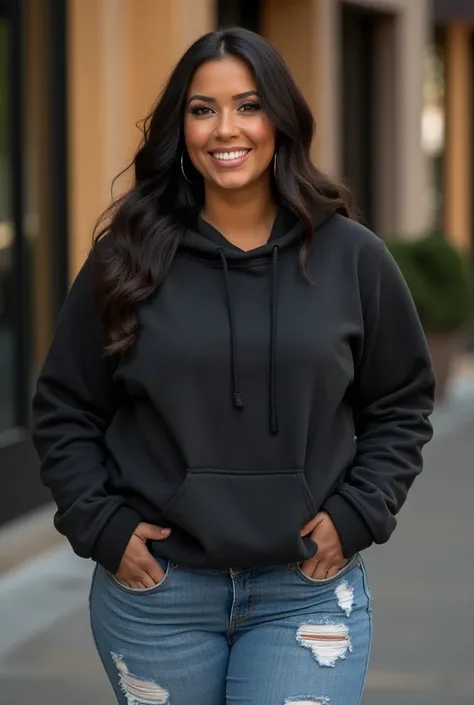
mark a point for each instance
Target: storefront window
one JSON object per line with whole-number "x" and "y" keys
{"x": 7, "y": 357}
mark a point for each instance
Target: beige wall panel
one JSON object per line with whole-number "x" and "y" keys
{"x": 458, "y": 177}
{"x": 86, "y": 129}
{"x": 304, "y": 33}
{"x": 157, "y": 34}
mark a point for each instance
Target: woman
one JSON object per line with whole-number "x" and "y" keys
{"x": 247, "y": 413}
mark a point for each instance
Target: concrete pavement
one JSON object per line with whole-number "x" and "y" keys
{"x": 422, "y": 581}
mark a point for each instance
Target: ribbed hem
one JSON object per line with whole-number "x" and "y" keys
{"x": 112, "y": 542}
{"x": 354, "y": 533}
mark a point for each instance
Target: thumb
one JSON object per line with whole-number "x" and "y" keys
{"x": 311, "y": 525}
{"x": 151, "y": 532}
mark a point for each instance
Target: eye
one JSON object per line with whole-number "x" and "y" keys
{"x": 249, "y": 107}
{"x": 200, "y": 110}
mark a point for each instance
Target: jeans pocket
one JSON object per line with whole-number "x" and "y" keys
{"x": 352, "y": 563}
{"x": 165, "y": 564}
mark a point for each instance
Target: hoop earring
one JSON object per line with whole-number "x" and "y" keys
{"x": 182, "y": 168}
{"x": 275, "y": 166}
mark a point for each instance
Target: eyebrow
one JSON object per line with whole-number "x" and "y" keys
{"x": 208, "y": 99}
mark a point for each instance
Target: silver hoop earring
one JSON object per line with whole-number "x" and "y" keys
{"x": 275, "y": 166}
{"x": 182, "y": 168}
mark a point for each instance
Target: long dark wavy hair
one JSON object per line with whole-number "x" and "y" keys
{"x": 144, "y": 227}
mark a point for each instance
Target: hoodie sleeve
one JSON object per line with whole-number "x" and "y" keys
{"x": 392, "y": 399}
{"x": 75, "y": 401}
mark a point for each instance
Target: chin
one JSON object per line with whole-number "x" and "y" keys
{"x": 234, "y": 181}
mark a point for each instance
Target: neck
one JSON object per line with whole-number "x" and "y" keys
{"x": 244, "y": 216}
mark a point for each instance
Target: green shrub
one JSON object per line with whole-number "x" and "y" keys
{"x": 440, "y": 279}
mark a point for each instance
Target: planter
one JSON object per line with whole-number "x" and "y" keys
{"x": 444, "y": 348}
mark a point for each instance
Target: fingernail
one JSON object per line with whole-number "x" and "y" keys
{"x": 165, "y": 532}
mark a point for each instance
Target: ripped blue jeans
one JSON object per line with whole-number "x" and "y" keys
{"x": 267, "y": 636}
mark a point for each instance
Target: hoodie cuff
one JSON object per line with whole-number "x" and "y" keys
{"x": 112, "y": 542}
{"x": 354, "y": 533}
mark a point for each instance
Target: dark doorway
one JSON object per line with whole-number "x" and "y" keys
{"x": 242, "y": 13}
{"x": 358, "y": 101}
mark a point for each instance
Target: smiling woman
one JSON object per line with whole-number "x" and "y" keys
{"x": 243, "y": 420}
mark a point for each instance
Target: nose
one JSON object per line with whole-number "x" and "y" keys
{"x": 226, "y": 126}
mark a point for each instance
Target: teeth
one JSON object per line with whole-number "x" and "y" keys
{"x": 228, "y": 156}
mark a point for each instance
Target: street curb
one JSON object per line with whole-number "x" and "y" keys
{"x": 27, "y": 537}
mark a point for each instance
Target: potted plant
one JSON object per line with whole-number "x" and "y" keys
{"x": 439, "y": 277}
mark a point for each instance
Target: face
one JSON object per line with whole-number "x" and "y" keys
{"x": 229, "y": 138}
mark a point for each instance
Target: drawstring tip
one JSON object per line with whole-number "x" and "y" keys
{"x": 274, "y": 423}
{"x": 238, "y": 401}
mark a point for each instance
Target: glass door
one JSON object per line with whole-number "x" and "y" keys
{"x": 33, "y": 226}
{"x": 9, "y": 338}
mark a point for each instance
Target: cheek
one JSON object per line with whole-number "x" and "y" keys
{"x": 263, "y": 134}
{"x": 196, "y": 135}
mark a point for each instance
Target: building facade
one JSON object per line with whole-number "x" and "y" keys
{"x": 76, "y": 76}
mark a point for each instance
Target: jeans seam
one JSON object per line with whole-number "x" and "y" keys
{"x": 251, "y": 601}
{"x": 232, "y": 625}
{"x": 368, "y": 609}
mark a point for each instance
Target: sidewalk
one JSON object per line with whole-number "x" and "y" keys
{"x": 422, "y": 581}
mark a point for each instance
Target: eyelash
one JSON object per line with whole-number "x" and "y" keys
{"x": 197, "y": 109}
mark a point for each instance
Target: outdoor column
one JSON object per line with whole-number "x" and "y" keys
{"x": 411, "y": 163}
{"x": 458, "y": 184}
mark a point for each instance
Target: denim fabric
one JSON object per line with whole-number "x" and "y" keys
{"x": 267, "y": 636}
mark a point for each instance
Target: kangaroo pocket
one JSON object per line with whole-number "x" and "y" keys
{"x": 245, "y": 518}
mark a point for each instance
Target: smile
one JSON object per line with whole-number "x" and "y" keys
{"x": 230, "y": 158}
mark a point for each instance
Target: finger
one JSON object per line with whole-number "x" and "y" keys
{"x": 155, "y": 572}
{"x": 136, "y": 585}
{"x": 333, "y": 570}
{"x": 147, "y": 580}
{"x": 309, "y": 567}
{"x": 311, "y": 525}
{"x": 152, "y": 532}
{"x": 322, "y": 571}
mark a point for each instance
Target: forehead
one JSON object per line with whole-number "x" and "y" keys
{"x": 222, "y": 77}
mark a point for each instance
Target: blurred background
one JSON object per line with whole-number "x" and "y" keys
{"x": 391, "y": 83}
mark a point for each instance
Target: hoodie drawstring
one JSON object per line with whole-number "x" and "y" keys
{"x": 236, "y": 395}
{"x": 273, "y": 338}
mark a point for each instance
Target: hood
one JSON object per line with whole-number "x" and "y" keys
{"x": 206, "y": 242}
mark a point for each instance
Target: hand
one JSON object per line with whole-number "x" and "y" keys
{"x": 138, "y": 569}
{"x": 329, "y": 558}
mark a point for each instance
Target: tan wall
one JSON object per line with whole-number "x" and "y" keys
{"x": 302, "y": 31}
{"x": 120, "y": 54}
{"x": 307, "y": 33}
{"x": 458, "y": 176}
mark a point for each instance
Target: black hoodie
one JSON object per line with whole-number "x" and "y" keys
{"x": 252, "y": 400}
